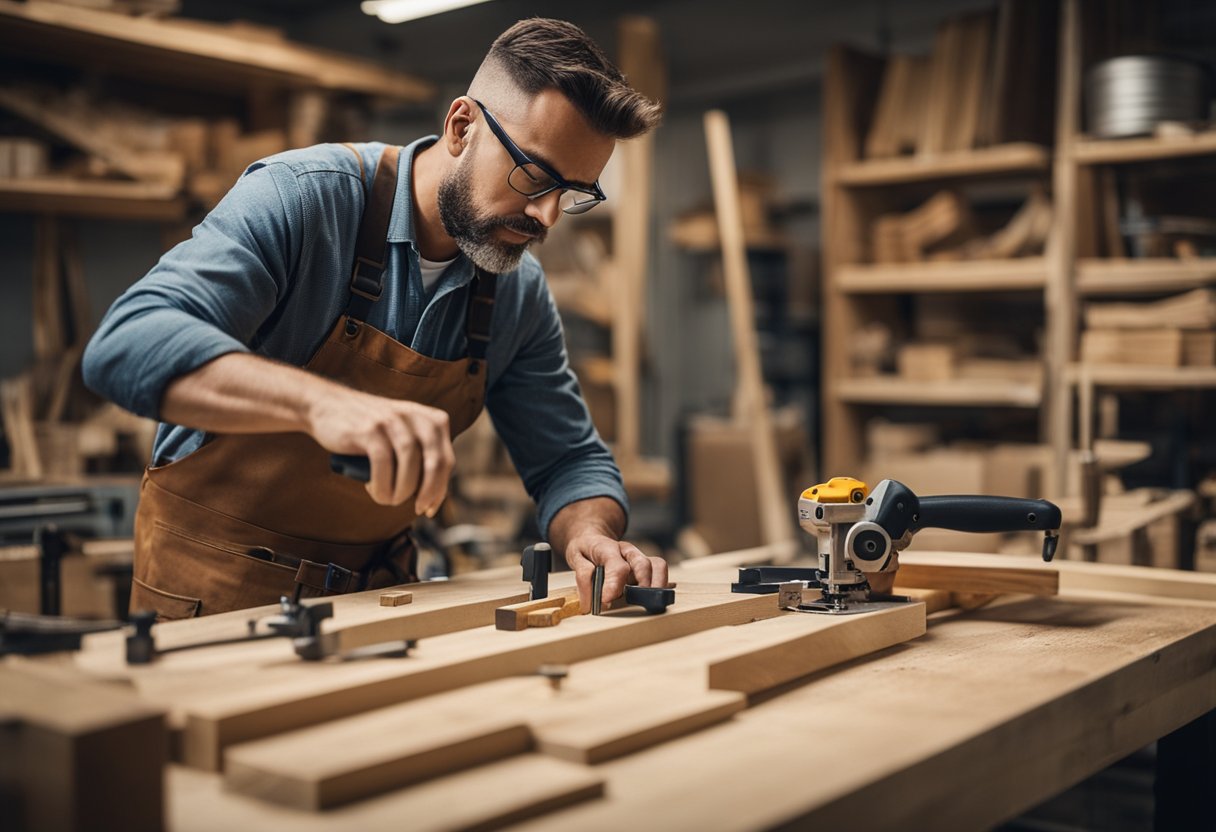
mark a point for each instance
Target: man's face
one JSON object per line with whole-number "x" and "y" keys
{"x": 492, "y": 223}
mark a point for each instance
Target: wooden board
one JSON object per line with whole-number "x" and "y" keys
{"x": 227, "y": 705}
{"x": 606, "y": 707}
{"x": 750, "y": 403}
{"x": 79, "y": 756}
{"x": 997, "y": 710}
{"x": 486, "y": 797}
{"x": 980, "y": 578}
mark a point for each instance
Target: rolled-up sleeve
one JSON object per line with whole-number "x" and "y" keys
{"x": 539, "y": 412}
{"x": 205, "y": 298}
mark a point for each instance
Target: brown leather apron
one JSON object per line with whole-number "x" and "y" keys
{"x": 248, "y": 518}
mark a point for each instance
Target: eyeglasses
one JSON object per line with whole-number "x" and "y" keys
{"x": 534, "y": 179}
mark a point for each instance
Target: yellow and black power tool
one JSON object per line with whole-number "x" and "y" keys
{"x": 861, "y": 533}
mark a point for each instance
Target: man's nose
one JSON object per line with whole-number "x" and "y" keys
{"x": 545, "y": 209}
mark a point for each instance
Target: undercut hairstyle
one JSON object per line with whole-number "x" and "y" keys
{"x": 540, "y": 53}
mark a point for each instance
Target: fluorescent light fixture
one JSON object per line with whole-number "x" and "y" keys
{"x": 399, "y": 11}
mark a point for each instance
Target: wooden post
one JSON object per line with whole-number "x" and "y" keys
{"x": 750, "y": 407}
{"x": 1061, "y": 300}
{"x": 641, "y": 63}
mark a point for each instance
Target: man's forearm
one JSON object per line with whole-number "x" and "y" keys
{"x": 597, "y": 515}
{"x": 245, "y": 393}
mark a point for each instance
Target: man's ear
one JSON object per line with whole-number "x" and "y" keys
{"x": 456, "y": 126}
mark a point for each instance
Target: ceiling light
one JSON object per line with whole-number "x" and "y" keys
{"x": 399, "y": 11}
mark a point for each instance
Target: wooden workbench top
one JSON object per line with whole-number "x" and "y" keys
{"x": 958, "y": 726}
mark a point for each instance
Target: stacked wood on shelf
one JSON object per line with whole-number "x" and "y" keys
{"x": 982, "y": 85}
{"x": 944, "y": 227}
{"x": 1179, "y": 331}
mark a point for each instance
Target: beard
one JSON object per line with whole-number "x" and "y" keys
{"x": 474, "y": 233}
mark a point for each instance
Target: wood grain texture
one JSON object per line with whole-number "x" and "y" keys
{"x": 487, "y": 797}
{"x": 59, "y": 747}
{"x": 997, "y": 710}
{"x": 978, "y": 579}
{"x": 241, "y": 703}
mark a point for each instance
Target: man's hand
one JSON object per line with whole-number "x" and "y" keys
{"x": 401, "y": 439}
{"x": 247, "y": 393}
{"x": 623, "y": 564}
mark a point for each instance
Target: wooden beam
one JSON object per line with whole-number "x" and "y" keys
{"x": 492, "y": 796}
{"x": 222, "y": 707}
{"x": 83, "y": 755}
{"x": 978, "y": 579}
{"x": 751, "y": 405}
{"x": 208, "y": 52}
{"x": 370, "y": 754}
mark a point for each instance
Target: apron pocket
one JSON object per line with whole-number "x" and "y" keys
{"x": 166, "y": 605}
{"x": 221, "y": 572}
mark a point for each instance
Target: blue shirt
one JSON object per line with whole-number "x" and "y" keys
{"x": 268, "y": 271}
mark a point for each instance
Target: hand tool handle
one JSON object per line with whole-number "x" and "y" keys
{"x": 981, "y": 513}
{"x": 351, "y": 465}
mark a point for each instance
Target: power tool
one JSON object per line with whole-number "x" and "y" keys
{"x": 861, "y": 533}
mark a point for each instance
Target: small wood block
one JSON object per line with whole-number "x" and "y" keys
{"x": 515, "y": 616}
{"x": 548, "y": 617}
{"x": 395, "y": 598}
{"x": 572, "y": 608}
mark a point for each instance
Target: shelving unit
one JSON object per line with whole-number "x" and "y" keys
{"x": 1071, "y": 271}
{"x": 857, "y": 292}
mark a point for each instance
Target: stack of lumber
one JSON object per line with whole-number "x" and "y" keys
{"x": 944, "y": 228}
{"x": 938, "y": 360}
{"x": 1179, "y": 331}
{"x": 981, "y": 85}
{"x": 120, "y": 140}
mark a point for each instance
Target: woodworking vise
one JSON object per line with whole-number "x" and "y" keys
{"x": 861, "y": 533}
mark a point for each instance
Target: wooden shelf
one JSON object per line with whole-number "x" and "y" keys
{"x": 1097, "y": 276}
{"x": 1020, "y": 157}
{"x": 149, "y": 201}
{"x": 960, "y": 276}
{"x": 1126, "y": 151}
{"x": 1143, "y": 377}
{"x": 956, "y": 393}
{"x": 205, "y": 54}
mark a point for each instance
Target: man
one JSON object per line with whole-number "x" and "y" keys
{"x": 366, "y": 300}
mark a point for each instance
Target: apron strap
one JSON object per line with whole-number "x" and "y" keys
{"x": 480, "y": 315}
{"x": 371, "y": 245}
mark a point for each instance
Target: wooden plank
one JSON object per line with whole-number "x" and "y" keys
{"x": 1133, "y": 377}
{"x": 226, "y": 706}
{"x": 210, "y": 53}
{"x": 989, "y": 716}
{"x": 959, "y": 392}
{"x": 1148, "y": 276}
{"x": 487, "y": 797}
{"x": 370, "y": 754}
{"x": 751, "y": 406}
{"x": 605, "y": 708}
{"x": 91, "y": 756}
{"x": 1020, "y": 157}
{"x": 439, "y": 607}
{"x": 803, "y": 647}
{"x": 1124, "y": 151}
{"x": 978, "y": 579}
{"x": 154, "y": 202}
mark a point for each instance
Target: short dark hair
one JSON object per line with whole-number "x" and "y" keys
{"x": 539, "y": 53}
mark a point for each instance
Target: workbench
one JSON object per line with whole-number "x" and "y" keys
{"x": 989, "y": 712}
